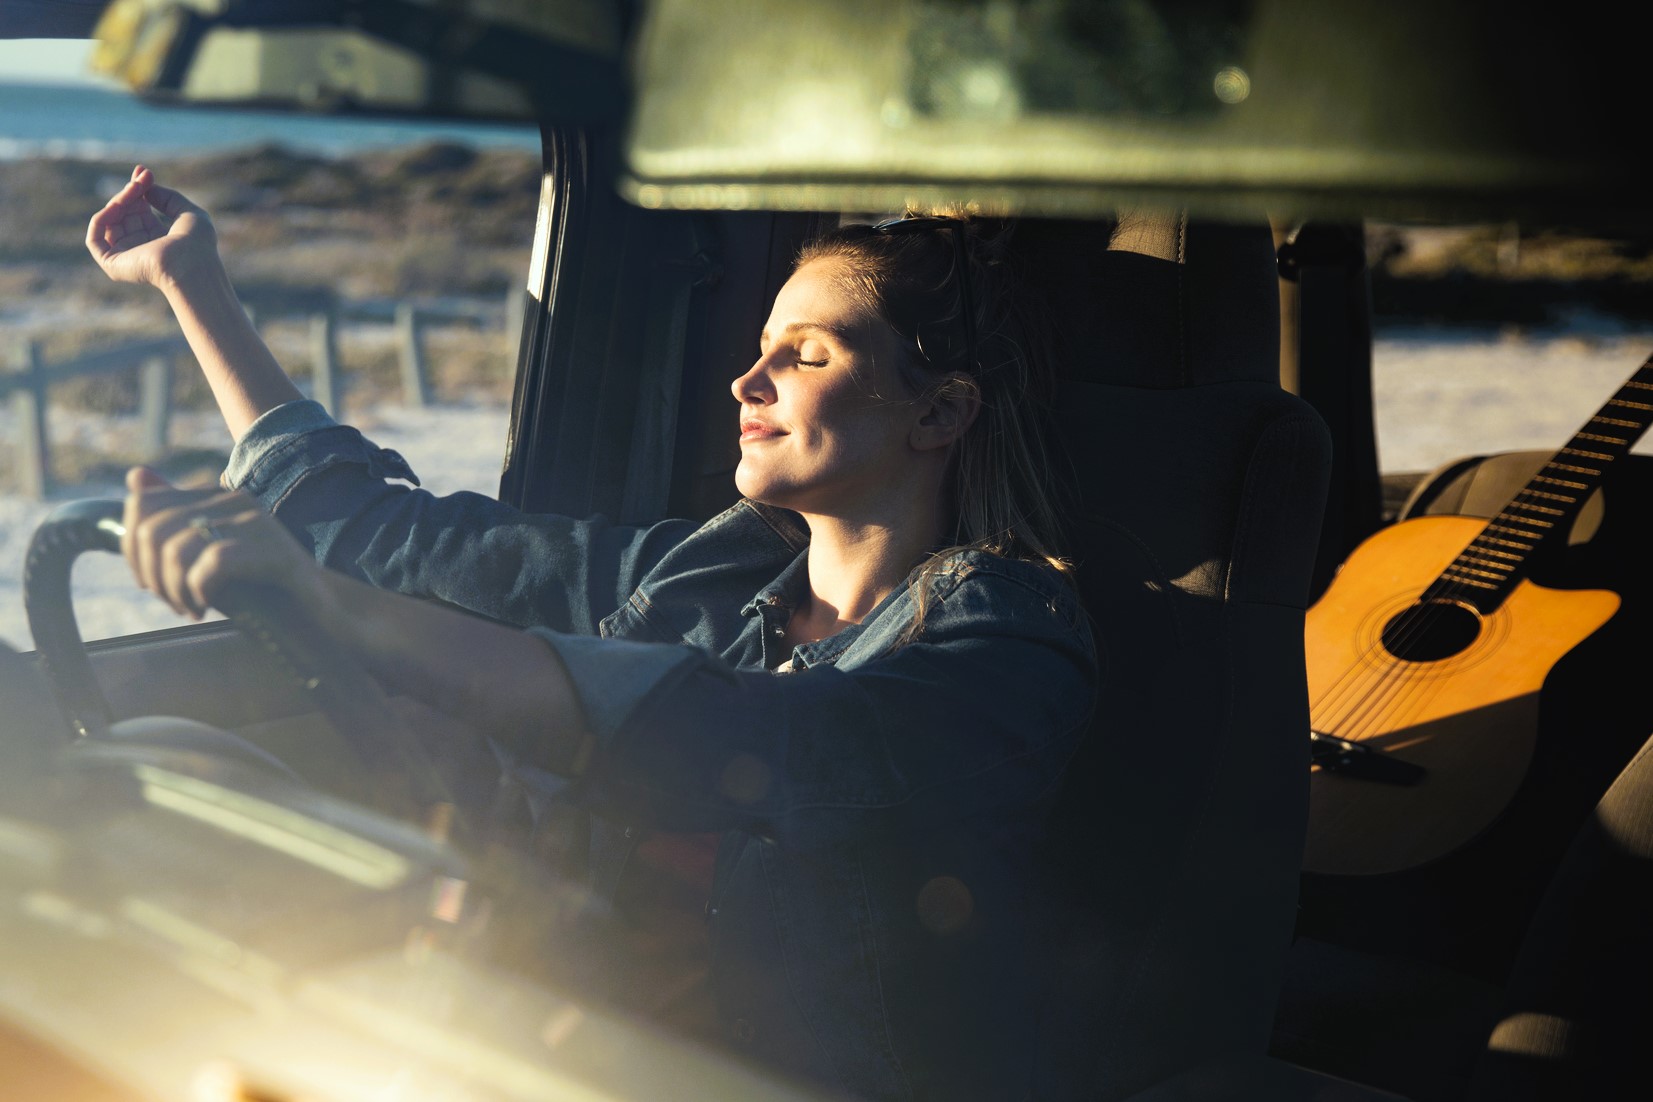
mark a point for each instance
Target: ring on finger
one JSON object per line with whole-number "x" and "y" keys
{"x": 203, "y": 524}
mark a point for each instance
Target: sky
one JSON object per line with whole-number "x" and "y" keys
{"x": 54, "y": 60}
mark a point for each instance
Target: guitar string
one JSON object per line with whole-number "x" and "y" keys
{"x": 1401, "y": 683}
{"x": 1386, "y": 675}
{"x": 1402, "y": 687}
{"x": 1398, "y": 679}
{"x": 1387, "y": 680}
{"x": 1398, "y": 682}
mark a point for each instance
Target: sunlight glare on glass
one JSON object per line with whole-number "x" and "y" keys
{"x": 286, "y": 831}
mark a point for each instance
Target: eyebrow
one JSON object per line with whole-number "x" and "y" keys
{"x": 841, "y": 332}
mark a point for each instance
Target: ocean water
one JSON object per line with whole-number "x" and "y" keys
{"x": 69, "y": 121}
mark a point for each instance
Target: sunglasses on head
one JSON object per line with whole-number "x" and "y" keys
{"x": 899, "y": 227}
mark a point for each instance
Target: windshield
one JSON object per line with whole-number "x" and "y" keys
{"x": 390, "y": 254}
{"x": 256, "y": 883}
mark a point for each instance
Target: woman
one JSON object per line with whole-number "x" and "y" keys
{"x": 868, "y": 674}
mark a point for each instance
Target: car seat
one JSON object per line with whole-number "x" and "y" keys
{"x": 1560, "y": 1033}
{"x": 1200, "y": 487}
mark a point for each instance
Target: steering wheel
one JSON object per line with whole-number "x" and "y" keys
{"x": 393, "y": 771}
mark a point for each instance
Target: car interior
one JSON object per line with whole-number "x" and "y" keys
{"x": 1199, "y": 245}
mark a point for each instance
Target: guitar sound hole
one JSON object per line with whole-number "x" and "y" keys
{"x": 1430, "y": 632}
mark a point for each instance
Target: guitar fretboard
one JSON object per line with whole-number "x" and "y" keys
{"x": 1489, "y": 568}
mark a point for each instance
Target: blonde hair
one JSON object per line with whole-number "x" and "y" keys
{"x": 966, "y": 333}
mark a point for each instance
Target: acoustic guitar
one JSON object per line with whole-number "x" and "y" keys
{"x": 1426, "y": 655}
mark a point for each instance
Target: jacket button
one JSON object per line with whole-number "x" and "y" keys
{"x": 744, "y": 1031}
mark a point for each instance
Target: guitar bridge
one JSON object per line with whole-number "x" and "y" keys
{"x": 1355, "y": 759}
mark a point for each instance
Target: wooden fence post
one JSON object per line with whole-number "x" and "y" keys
{"x": 410, "y": 340}
{"x": 324, "y": 358}
{"x": 154, "y": 404}
{"x": 28, "y": 403}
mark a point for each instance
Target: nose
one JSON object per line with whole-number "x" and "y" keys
{"x": 755, "y": 387}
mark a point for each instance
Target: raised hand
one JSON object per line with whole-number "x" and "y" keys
{"x": 151, "y": 234}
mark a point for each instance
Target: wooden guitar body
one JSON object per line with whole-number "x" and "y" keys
{"x": 1469, "y": 718}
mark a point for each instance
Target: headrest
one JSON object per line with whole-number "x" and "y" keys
{"x": 1162, "y": 303}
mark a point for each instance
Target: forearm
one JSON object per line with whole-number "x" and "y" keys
{"x": 502, "y": 682}
{"x": 245, "y": 378}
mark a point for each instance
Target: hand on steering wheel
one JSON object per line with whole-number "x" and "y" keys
{"x": 184, "y": 545}
{"x": 177, "y": 528}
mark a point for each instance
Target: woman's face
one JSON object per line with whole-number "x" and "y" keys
{"x": 824, "y": 421}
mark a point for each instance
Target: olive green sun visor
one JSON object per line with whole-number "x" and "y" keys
{"x": 1078, "y": 106}
{"x": 504, "y": 60}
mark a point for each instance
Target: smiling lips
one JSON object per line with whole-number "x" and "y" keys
{"x": 751, "y": 429}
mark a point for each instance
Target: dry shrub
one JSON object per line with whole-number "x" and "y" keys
{"x": 467, "y": 364}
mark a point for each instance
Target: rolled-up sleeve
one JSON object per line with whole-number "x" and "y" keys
{"x": 984, "y": 710}
{"x": 356, "y": 506}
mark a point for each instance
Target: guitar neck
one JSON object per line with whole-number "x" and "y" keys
{"x": 1544, "y": 510}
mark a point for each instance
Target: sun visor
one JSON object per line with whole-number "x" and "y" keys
{"x": 505, "y": 60}
{"x": 1078, "y": 107}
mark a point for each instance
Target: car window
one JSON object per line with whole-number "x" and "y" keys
{"x": 1488, "y": 338}
{"x": 394, "y": 249}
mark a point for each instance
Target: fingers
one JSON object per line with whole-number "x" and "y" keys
{"x": 242, "y": 547}
{"x": 184, "y": 544}
{"x": 141, "y": 482}
{"x": 164, "y": 199}
{"x": 171, "y": 203}
{"x": 175, "y": 538}
{"x": 129, "y": 218}
{"x": 125, "y": 222}
{"x": 146, "y": 478}
{"x": 209, "y": 550}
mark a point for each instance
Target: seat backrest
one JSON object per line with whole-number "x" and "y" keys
{"x": 1576, "y": 1014}
{"x": 1200, "y": 487}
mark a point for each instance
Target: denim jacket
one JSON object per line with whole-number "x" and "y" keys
{"x": 882, "y": 802}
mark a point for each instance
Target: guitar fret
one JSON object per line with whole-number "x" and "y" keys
{"x": 1472, "y": 581}
{"x": 1545, "y": 509}
{"x": 1500, "y": 554}
{"x": 1488, "y": 563}
{"x": 1496, "y": 558}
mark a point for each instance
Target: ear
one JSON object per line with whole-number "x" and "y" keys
{"x": 952, "y": 407}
